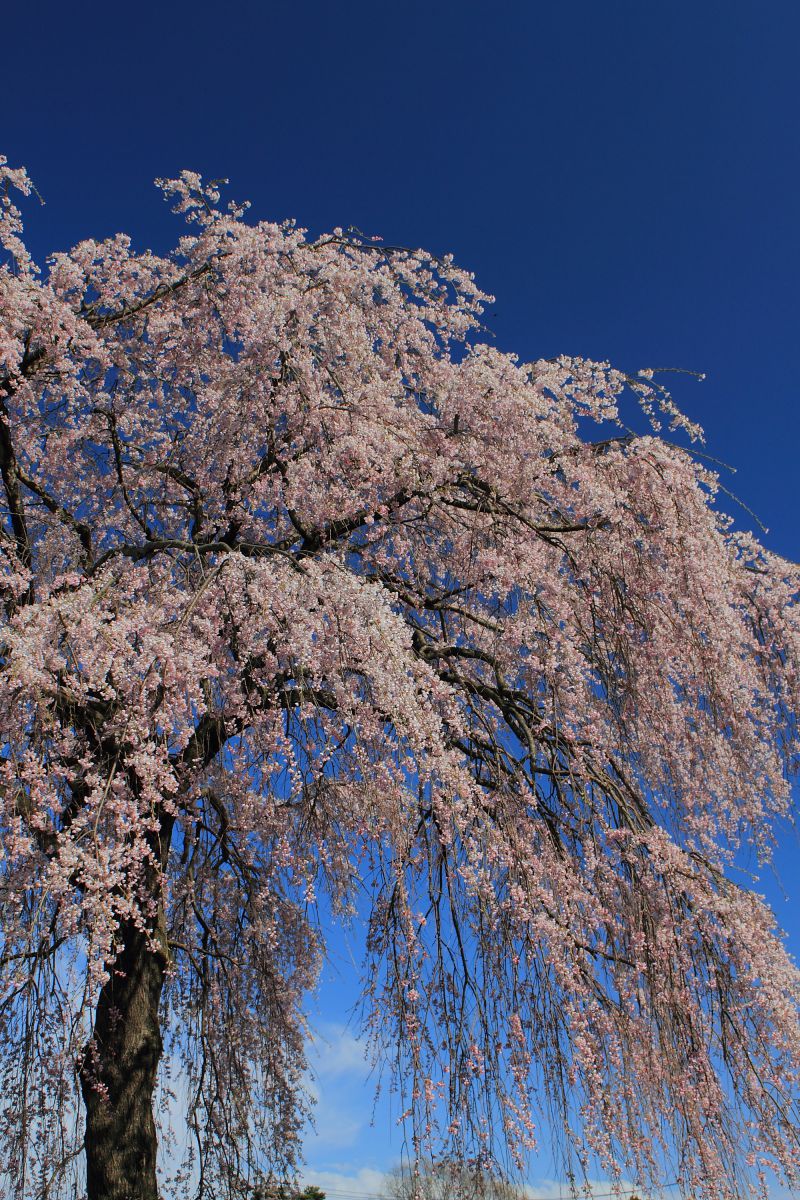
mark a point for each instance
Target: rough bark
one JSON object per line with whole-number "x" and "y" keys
{"x": 120, "y": 1063}
{"x": 118, "y": 1075}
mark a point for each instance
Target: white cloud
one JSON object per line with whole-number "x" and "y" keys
{"x": 335, "y": 1124}
{"x": 338, "y": 1079}
{"x": 334, "y": 1051}
{"x": 364, "y": 1184}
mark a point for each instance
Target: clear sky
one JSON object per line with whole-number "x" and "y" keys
{"x": 622, "y": 175}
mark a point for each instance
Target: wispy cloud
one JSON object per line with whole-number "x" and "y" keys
{"x": 364, "y": 1184}
{"x": 335, "y": 1051}
{"x": 339, "y": 1081}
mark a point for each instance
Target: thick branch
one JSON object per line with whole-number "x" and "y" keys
{"x": 103, "y": 320}
{"x": 81, "y": 530}
{"x": 11, "y": 481}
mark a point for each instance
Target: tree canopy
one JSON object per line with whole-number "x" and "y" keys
{"x": 446, "y": 1179}
{"x": 308, "y": 591}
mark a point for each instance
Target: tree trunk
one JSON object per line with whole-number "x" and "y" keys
{"x": 118, "y": 1075}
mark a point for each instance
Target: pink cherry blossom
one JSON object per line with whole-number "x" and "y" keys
{"x": 310, "y": 595}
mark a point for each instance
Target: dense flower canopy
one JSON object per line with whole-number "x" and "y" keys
{"x": 308, "y": 591}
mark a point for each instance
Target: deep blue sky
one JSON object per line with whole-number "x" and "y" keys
{"x": 624, "y": 176}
